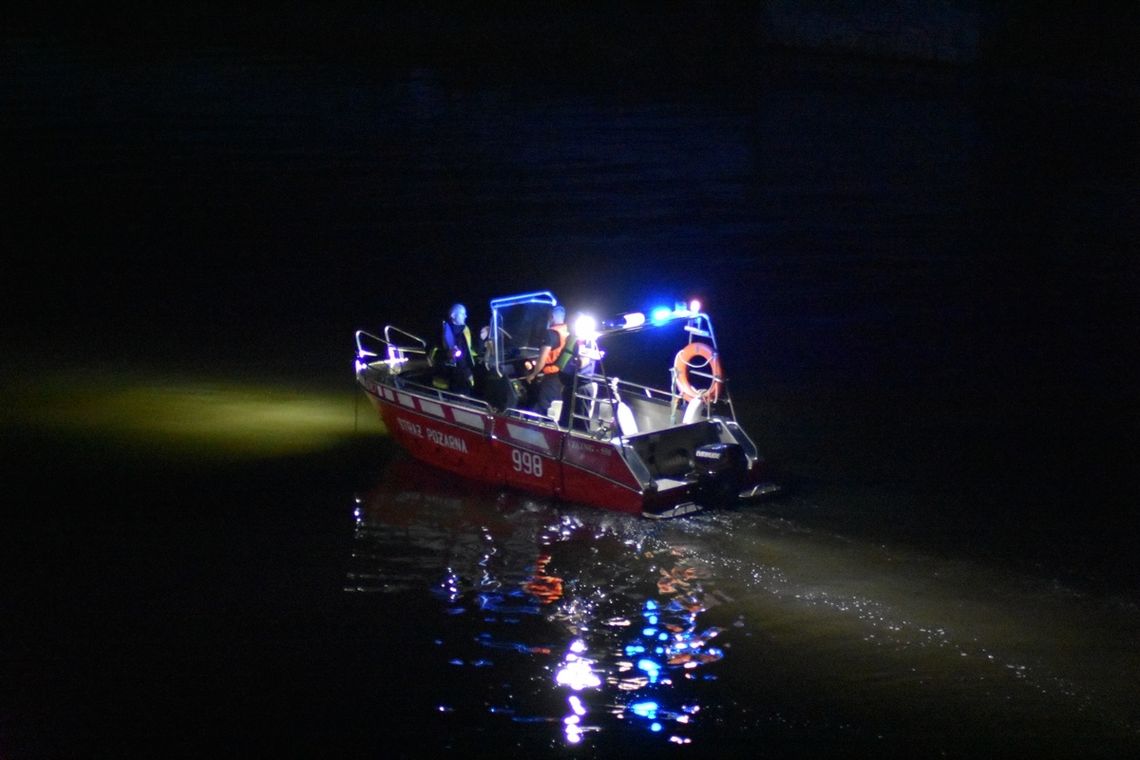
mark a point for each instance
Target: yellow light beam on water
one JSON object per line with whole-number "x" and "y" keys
{"x": 223, "y": 418}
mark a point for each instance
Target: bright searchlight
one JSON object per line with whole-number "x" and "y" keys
{"x": 586, "y": 327}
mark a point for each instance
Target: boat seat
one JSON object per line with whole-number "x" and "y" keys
{"x": 693, "y": 410}
{"x": 555, "y": 410}
{"x": 627, "y": 423}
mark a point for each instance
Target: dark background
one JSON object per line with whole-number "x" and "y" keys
{"x": 933, "y": 198}
{"x": 915, "y": 225}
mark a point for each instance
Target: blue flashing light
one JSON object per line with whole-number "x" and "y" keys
{"x": 649, "y": 631}
{"x": 652, "y": 619}
{"x": 660, "y": 315}
{"x": 655, "y": 727}
{"x": 633, "y": 649}
{"x": 650, "y": 604}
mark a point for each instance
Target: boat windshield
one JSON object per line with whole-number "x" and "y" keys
{"x": 518, "y": 325}
{"x": 524, "y": 325}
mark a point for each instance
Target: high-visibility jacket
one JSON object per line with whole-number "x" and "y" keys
{"x": 451, "y": 342}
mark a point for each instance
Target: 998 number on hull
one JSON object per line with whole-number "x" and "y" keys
{"x": 526, "y": 463}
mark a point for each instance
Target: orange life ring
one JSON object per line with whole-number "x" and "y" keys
{"x": 681, "y": 365}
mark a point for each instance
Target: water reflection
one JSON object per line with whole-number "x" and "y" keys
{"x": 558, "y": 620}
{"x": 581, "y": 627}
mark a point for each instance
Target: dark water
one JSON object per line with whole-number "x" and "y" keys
{"x": 926, "y": 287}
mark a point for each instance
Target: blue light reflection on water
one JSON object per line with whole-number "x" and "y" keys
{"x": 510, "y": 593}
{"x": 556, "y": 624}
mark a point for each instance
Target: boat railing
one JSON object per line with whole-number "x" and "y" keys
{"x": 626, "y": 388}
{"x": 724, "y": 399}
{"x": 412, "y": 384}
{"x": 695, "y": 372}
{"x": 527, "y": 415}
{"x": 609, "y": 405}
{"x": 700, "y": 325}
{"x": 401, "y": 350}
{"x": 450, "y": 397}
{"x": 395, "y": 349}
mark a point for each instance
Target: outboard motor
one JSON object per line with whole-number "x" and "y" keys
{"x": 719, "y": 470}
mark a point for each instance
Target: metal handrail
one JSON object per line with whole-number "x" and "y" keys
{"x": 449, "y": 397}
{"x": 530, "y": 416}
{"x": 391, "y": 345}
{"x": 361, "y": 351}
{"x": 458, "y": 398}
{"x": 708, "y": 376}
{"x": 700, "y": 325}
{"x": 540, "y": 296}
{"x": 389, "y": 329}
{"x": 645, "y": 390}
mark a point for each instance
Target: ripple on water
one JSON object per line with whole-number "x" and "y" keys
{"x": 558, "y": 620}
{"x": 585, "y": 627}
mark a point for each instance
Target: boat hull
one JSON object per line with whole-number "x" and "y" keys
{"x": 618, "y": 445}
{"x": 513, "y": 452}
{"x": 526, "y": 452}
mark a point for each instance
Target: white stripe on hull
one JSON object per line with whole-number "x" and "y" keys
{"x": 467, "y": 418}
{"x": 528, "y": 436}
{"x": 432, "y": 408}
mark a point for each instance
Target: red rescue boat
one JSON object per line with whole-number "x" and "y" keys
{"x": 607, "y": 442}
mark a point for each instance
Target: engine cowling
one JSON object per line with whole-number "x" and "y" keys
{"x": 719, "y": 470}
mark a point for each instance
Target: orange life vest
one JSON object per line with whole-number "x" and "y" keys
{"x": 551, "y": 366}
